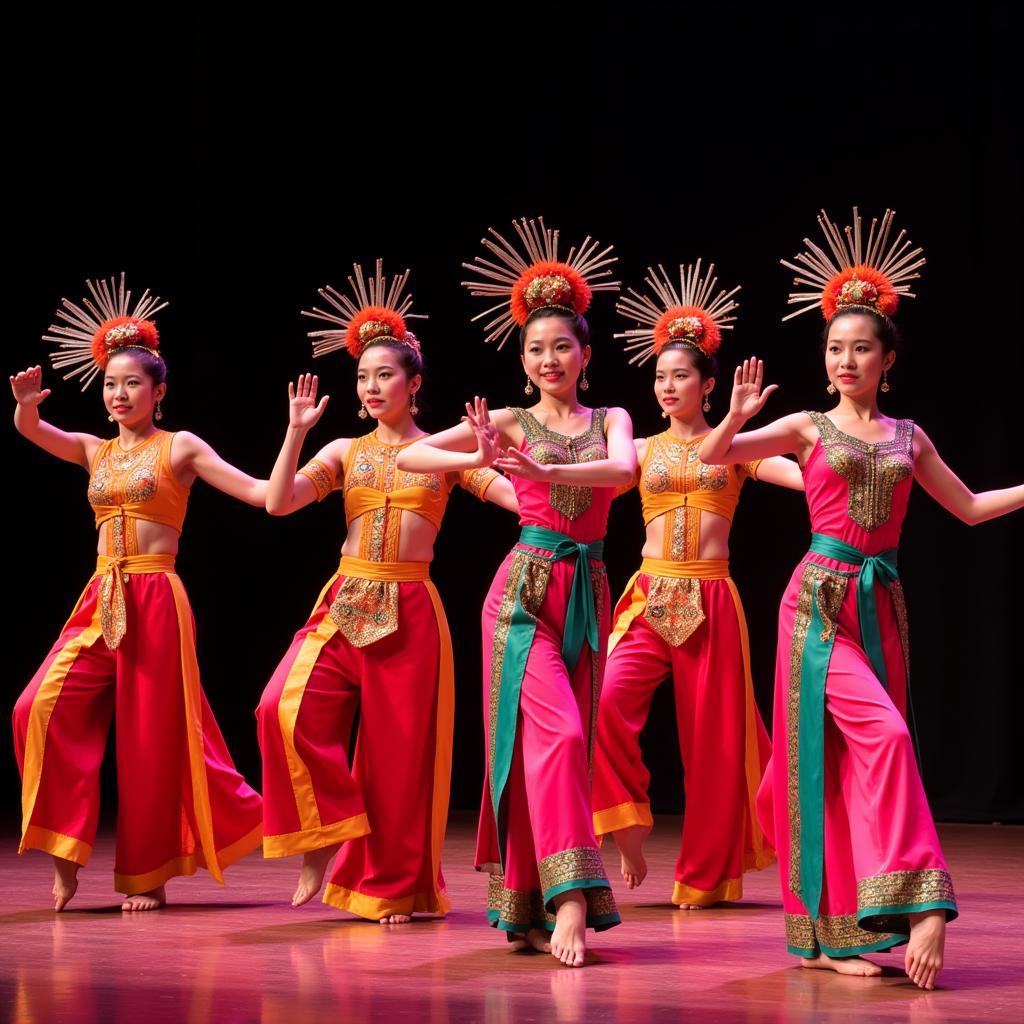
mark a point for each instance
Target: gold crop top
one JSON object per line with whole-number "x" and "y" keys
{"x": 674, "y": 483}
{"x": 126, "y": 486}
{"x": 374, "y": 487}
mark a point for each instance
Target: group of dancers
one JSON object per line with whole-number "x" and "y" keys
{"x": 567, "y": 679}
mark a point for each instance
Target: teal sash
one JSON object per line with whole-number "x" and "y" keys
{"x": 813, "y": 671}
{"x": 580, "y": 626}
{"x": 881, "y": 567}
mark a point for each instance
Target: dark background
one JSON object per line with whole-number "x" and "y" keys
{"x": 235, "y": 162}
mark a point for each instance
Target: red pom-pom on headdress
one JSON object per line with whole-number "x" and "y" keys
{"x": 689, "y": 316}
{"x": 868, "y": 276}
{"x": 690, "y": 325}
{"x": 373, "y": 324}
{"x": 549, "y": 283}
{"x": 378, "y": 312}
{"x": 123, "y": 332}
{"x": 89, "y": 336}
{"x": 859, "y": 286}
{"x": 538, "y": 280}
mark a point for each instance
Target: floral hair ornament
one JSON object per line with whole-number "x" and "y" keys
{"x": 378, "y": 313}
{"x": 89, "y": 337}
{"x": 538, "y": 279}
{"x": 871, "y": 277}
{"x": 689, "y": 316}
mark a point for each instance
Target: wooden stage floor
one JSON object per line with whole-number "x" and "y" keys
{"x": 241, "y": 953}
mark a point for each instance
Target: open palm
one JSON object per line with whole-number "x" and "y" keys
{"x": 27, "y": 386}
{"x": 747, "y": 397}
{"x": 303, "y": 408}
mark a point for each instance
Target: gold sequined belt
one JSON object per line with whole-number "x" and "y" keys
{"x": 696, "y": 569}
{"x": 365, "y": 608}
{"x": 113, "y": 574}
{"x": 672, "y": 606}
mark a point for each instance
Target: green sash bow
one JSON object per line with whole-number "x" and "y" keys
{"x": 813, "y": 671}
{"x": 580, "y": 626}
{"x": 881, "y": 567}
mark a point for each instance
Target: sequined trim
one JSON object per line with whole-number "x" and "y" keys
{"x": 674, "y": 608}
{"x": 476, "y": 481}
{"x": 537, "y": 572}
{"x": 905, "y": 889}
{"x": 871, "y": 471}
{"x": 523, "y": 910}
{"x": 800, "y": 932}
{"x": 829, "y": 586}
{"x": 320, "y": 476}
{"x": 601, "y": 904}
{"x": 599, "y": 583}
{"x": 520, "y": 909}
{"x": 551, "y": 448}
{"x": 834, "y": 933}
{"x": 899, "y": 607}
{"x": 365, "y": 611}
{"x": 673, "y": 465}
{"x": 580, "y": 864}
{"x": 121, "y": 477}
{"x": 113, "y": 616}
{"x": 373, "y": 464}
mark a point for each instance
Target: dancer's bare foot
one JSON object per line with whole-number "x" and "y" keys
{"x": 568, "y": 940}
{"x": 537, "y": 939}
{"x": 925, "y": 949}
{"x": 152, "y": 900}
{"x": 396, "y": 919}
{"x": 693, "y": 906}
{"x": 630, "y": 841}
{"x": 311, "y": 877}
{"x": 65, "y": 882}
{"x": 854, "y": 965}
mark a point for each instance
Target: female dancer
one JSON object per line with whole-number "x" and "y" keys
{"x": 377, "y": 639}
{"x": 548, "y": 601}
{"x": 680, "y": 615}
{"x": 861, "y": 865}
{"x": 130, "y": 641}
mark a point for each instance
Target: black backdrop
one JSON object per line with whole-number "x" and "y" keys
{"x": 234, "y": 162}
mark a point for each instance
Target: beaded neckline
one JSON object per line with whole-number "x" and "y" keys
{"x": 539, "y": 428}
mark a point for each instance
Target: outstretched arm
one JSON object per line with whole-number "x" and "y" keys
{"x": 194, "y": 453}
{"x": 781, "y": 471}
{"x": 288, "y": 490}
{"x": 501, "y": 492}
{"x": 951, "y": 493}
{"x": 472, "y": 444}
{"x": 615, "y": 471}
{"x": 29, "y": 394}
{"x": 723, "y": 447}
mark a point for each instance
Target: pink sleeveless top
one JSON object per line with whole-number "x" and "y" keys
{"x": 578, "y": 512}
{"x": 858, "y": 492}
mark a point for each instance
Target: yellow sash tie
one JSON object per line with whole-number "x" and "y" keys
{"x": 114, "y": 573}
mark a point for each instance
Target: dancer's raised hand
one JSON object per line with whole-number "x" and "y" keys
{"x": 303, "y": 408}
{"x": 747, "y": 397}
{"x": 488, "y": 439}
{"x": 28, "y": 386}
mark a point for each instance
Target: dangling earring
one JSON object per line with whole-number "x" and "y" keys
{"x": 584, "y": 383}
{"x": 158, "y": 413}
{"x": 664, "y": 414}
{"x": 707, "y": 403}
{"x": 362, "y": 414}
{"x": 885, "y": 382}
{"x": 413, "y": 407}
{"x": 111, "y": 418}
{"x": 831, "y": 389}
{"x": 528, "y": 390}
